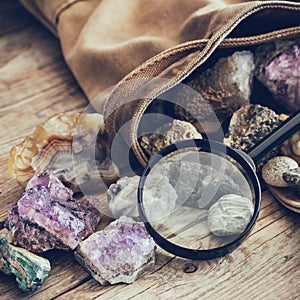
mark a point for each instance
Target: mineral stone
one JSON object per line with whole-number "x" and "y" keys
{"x": 64, "y": 146}
{"x": 222, "y": 89}
{"x": 292, "y": 178}
{"x": 168, "y": 134}
{"x": 159, "y": 196}
{"x": 272, "y": 171}
{"x": 47, "y": 216}
{"x": 277, "y": 67}
{"x": 198, "y": 184}
{"x": 250, "y": 124}
{"x": 230, "y": 215}
{"x": 119, "y": 253}
{"x": 30, "y": 270}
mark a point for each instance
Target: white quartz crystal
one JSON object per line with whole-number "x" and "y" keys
{"x": 159, "y": 197}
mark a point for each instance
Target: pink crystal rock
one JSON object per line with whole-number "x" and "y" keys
{"x": 47, "y": 216}
{"x": 119, "y": 253}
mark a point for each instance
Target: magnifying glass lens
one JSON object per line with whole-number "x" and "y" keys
{"x": 207, "y": 198}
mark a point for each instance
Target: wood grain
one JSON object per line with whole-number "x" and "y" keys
{"x": 35, "y": 84}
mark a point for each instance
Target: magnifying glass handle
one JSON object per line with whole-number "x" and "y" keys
{"x": 276, "y": 137}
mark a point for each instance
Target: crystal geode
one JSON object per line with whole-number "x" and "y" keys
{"x": 119, "y": 253}
{"x": 159, "y": 195}
{"x": 47, "y": 216}
{"x": 277, "y": 67}
{"x": 221, "y": 90}
{"x": 30, "y": 270}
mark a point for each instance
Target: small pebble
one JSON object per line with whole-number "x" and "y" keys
{"x": 230, "y": 215}
{"x": 292, "y": 178}
{"x": 272, "y": 171}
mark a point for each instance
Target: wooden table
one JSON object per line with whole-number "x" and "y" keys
{"x": 36, "y": 84}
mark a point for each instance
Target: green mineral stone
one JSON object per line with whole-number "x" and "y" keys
{"x": 30, "y": 270}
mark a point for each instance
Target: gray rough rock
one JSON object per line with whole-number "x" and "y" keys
{"x": 230, "y": 215}
{"x": 198, "y": 184}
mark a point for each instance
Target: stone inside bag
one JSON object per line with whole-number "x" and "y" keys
{"x": 237, "y": 97}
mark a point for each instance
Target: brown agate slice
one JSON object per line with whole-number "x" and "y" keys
{"x": 58, "y": 144}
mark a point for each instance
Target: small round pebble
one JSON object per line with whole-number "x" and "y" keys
{"x": 230, "y": 215}
{"x": 272, "y": 171}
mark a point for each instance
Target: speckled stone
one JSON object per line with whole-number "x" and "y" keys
{"x": 230, "y": 215}
{"x": 272, "y": 171}
{"x": 292, "y": 178}
{"x": 250, "y": 124}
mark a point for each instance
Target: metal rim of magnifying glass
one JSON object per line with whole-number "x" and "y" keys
{"x": 212, "y": 147}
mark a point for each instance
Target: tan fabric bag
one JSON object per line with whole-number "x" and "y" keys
{"x": 108, "y": 42}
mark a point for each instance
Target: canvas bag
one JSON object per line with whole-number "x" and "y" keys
{"x": 118, "y": 42}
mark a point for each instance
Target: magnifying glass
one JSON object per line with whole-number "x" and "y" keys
{"x": 218, "y": 194}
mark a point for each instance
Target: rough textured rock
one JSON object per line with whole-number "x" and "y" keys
{"x": 230, "y": 215}
{"x": 222, "y": 89}
{"x": 159, "y": 196}
{"x": 292, "y": 178}
{"x": 119, "y": 253}
{"x": 277, "y": 67}
{"x": 30, "y": 270}
{"x": 272, "y": 171}
{"x": 250, "y": 124}
{"x": 47, "y": 216}
{"x": 199, "y": 184}
{"x": 167, "y": 135}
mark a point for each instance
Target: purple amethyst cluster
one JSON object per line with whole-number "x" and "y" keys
{"x": 47, "y": 216}
{"x": 278, "y": 68}
{"x": 119, "y": 253}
